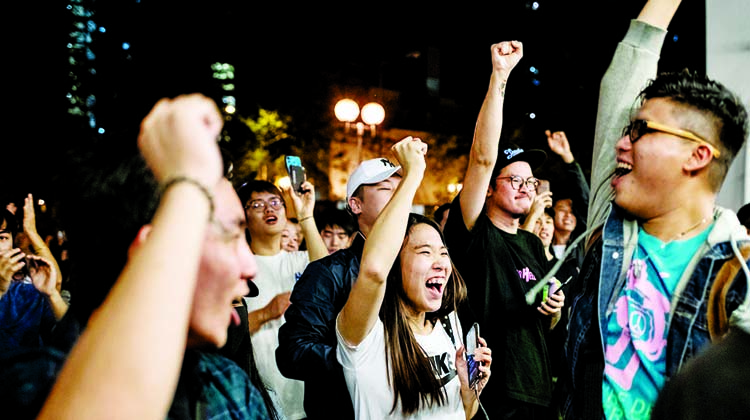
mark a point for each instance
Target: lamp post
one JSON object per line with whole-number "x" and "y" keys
{"x": 372, "y": 114}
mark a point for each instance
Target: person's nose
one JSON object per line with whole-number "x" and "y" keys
{"x": 248, "y": 265}
{"x": 524, "y": 187}
{"x": 624, "y": 144}
{"x": 441, "y": 263}
{"x": 268, "y": 209}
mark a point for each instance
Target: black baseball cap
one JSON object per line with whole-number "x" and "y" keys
{"x": 534, "y": 157}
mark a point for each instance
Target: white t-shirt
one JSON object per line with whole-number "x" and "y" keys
{"x": 276, "y": 274}
{"x": 559, "y": 250}
{"x": 367, "y": 380}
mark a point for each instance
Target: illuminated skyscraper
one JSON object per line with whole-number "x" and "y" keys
{"x": 81, "y": 62}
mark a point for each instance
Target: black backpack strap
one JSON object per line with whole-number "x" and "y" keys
{"x": 448, "y": 327}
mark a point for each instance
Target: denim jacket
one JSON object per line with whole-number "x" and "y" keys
{"x": 600, "y": 282}
{"x": 607, "y": 259}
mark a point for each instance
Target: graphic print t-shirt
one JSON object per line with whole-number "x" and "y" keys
{"x": 499, "y": 268}
{"x": 366, "y": 374}
{"x": 636, "y": 337}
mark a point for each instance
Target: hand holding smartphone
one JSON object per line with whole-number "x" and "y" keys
{"x": 543, "y": 186}
{"x": 297, "y": 174}
{"x": 472, "y": 342}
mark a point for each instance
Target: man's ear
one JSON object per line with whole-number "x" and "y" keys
{"x": 700, "y": 158}
{"x": 355, "y": 205}
{"x": 140, "y": 238}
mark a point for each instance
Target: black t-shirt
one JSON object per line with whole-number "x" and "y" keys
{"x": 499, "y": 268}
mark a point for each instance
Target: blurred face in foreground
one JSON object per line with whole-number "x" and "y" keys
{"x": 227, "y": 264}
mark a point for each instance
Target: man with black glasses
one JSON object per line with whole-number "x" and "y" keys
{"x": 501, "y": 262}
{"x": 278, "y": 271}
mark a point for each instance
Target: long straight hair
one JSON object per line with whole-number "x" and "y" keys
{"x": 410, "y": 372}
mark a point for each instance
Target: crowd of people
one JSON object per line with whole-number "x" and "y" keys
{"x": 626, "y": 297}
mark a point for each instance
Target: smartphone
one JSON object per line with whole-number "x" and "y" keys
{"x": 472, "y": 342}
{"x": 543, "y": 186}
{"x": 552, "y": 286}
{"x": 296, "y": 171}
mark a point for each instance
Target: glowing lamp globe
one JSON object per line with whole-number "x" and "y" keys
{"x": 346, "y": 110}
{"x": 373, "y": 113}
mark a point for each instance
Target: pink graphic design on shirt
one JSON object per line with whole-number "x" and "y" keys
{"x": 526, "y": 274}
{"x": 641, "y": 313}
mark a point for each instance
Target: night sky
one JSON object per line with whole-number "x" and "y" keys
{"x": 287, "y": 58}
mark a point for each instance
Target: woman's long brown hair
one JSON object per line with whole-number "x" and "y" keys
{"x": 410, "y": 372}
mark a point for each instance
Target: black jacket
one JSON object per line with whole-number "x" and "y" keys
{"x": 307, "y": 340}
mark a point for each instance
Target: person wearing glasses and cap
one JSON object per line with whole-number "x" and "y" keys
{"x": 307, "y": 341}
{"x": 278, "y": 271}
{"x": 500, "y": 261}
{"x": 640, "y": 307}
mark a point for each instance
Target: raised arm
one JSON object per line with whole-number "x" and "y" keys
{"x": 44, "y": 275}
{"x": 634, "y": 63}
{"x": 484, "y": 148}
{"x": 152, "y": 299}
{"x": 578, "y": 187}
{"x": 37, "y": 243}
{"x": 382, "y": 246}
{"x": 304, "y": 205}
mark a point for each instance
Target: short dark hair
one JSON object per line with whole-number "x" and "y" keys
{"x": 337, "y": 217}
{"x": 247, "y": 189}
{"x": 9, "y": 220}
{"x": 719, "y": 105}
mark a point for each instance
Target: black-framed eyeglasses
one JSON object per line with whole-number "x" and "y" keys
{"x": 258, "y": 205}
{"x": 639, "y": 128}
{"x": 516, "y": 182}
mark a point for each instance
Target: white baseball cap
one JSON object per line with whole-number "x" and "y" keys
{"x": 370, "y": 172}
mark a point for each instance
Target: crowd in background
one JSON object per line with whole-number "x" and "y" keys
{"x": 178, "y": 294}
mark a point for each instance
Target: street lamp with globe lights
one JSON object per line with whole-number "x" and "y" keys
{"x": 372, "y": 114}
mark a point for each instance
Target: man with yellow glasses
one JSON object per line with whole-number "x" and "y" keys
{"x": 639, "y": 307}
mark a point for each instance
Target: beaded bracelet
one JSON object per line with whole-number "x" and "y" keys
{"x": 192, "y": 181}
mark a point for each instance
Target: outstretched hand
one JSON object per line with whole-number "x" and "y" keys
{"x": 304, "y": 202}
{"x": 558, "y": 143}
{"x": 43, "y": 275}
{"x": 11, "y": 261}
{"x": 29, "y": 216}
